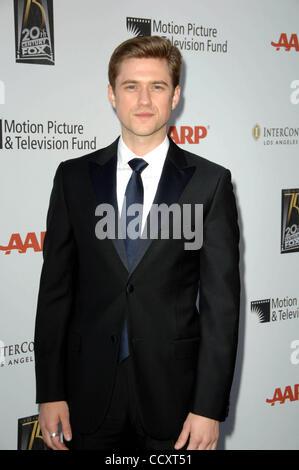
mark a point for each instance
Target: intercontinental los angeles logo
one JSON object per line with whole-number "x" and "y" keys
{"x": 34, "y": 31}
{"x": 270, "y": 136}
{"x": 187, "y": 36}
{"x": 16, "y": 354}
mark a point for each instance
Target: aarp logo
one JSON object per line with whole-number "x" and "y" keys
{"x": 188, "y": 134}
{"x": 287, "y": 43}
{"x": 16, "y": 243}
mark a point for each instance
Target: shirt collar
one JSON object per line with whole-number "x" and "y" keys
{"x": 155, "y": 158}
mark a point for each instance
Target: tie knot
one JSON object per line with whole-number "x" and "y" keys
{"x": 138, "y": 164}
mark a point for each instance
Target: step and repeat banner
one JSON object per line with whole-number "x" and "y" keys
{"x": 239, "y": 108}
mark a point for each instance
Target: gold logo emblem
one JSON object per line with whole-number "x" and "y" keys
{"x": 256, "y": 132}
{"x": 29, "y": 434}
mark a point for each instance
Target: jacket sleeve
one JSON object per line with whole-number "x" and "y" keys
{"x": 219, "y": 301}
{"x": 55, "y": 297}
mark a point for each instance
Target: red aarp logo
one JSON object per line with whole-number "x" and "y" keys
{"x": 31, "y": 241}
{"x": 283, "y": 41}
{"x": 289, "y": 393}
{"x": 187, "y": 134}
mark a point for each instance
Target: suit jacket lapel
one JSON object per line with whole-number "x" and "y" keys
{"x": 175, "y": 176}
{"x": 103, "y": 174}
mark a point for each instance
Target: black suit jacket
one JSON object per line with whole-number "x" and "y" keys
{"x": 183, "y": 360}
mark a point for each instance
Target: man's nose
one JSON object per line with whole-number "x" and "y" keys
{"x": 144, "y": 97}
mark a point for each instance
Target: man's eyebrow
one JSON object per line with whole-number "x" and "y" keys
{"x": 155, "y": 82}
{"x": 160, "y": 82}
{"x": 125, "y": 82}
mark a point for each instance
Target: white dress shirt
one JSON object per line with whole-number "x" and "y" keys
{"x": 150, "y": 175}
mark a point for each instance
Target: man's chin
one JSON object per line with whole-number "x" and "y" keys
{"x": 147, "y": 132}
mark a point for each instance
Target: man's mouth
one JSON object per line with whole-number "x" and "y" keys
{"x": 144, "y": 115}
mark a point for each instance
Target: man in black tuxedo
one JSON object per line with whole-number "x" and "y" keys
{"x": 123, "y": 356}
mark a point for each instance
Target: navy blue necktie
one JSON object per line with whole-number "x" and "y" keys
{"x": 133, "y": 195}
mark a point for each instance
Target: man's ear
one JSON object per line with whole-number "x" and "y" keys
{"x": 111, "y": 95}
{"x": 176, "y": 97}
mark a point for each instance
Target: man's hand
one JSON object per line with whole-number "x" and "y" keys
{"x": 204, "y": 433}
{"x": 50, "y": 415}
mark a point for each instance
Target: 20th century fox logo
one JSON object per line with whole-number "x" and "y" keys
{"x": 290, "y": 220}
{"x": 34, "y": 31}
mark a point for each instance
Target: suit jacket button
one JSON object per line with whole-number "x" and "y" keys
{"x": 114, "y": 339}
{"x": 130, "y": 288}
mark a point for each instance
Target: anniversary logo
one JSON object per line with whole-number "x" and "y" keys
{"x": 34, "y": 31}
{"x": 189, "y": 36}
{"x": 29, "y": 434}
{"x": 276, "y": 310}
{"x": 50, "y": 135}
{"x": 276, "y": 135}
{"x": 289, "y": 220}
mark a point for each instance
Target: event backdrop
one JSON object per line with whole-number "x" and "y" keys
{"x": 239, "y": 108}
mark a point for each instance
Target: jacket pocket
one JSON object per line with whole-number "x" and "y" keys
{"x": 186, "y": 348}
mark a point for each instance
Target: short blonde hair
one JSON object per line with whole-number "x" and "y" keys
{"x": 146, "y": 47}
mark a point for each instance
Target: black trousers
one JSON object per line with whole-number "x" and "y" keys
{"x": 122, "y": 428}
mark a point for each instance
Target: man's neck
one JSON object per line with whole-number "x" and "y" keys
{"x": 141, "y": 145}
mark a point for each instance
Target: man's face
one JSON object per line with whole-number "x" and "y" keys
{"x": 144, "y": 97}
